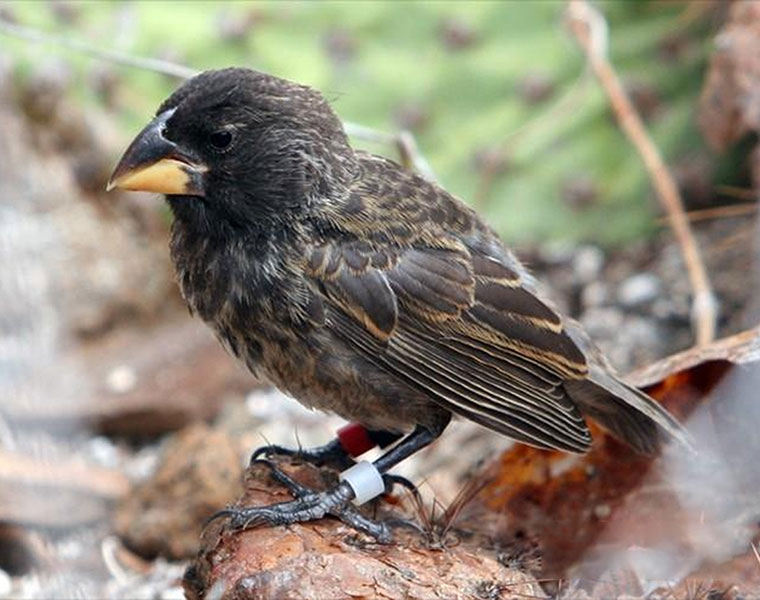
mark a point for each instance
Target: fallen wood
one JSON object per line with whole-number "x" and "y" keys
{"x": 81, "y": 492}
{"x": 144, "y": 382}
{"x": 326, "y": 559}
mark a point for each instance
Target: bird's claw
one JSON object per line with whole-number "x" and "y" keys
{"x": 331, "y": 454}
{"x": 394, "y": 480}
{"x": 309, "y": 505}
{"x": 297, "y": 489}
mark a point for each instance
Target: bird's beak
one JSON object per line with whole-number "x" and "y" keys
{"x": 153, "y": 163}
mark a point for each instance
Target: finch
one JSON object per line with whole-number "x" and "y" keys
{"x": 360, "y": 288}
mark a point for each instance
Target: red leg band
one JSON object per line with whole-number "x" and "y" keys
{"x": 355, "y": 439}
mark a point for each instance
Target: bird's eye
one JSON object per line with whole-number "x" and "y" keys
{"x": 221, "y": 139}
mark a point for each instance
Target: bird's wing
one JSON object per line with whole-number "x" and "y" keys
{"x": 461, "y": 327}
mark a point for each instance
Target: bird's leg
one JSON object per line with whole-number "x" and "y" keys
{"x": 353, "y": 440}
{"x": 310, "y": 505}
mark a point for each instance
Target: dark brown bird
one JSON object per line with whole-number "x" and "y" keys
{"x": 360, "y": 288}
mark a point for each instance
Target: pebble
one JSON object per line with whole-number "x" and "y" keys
{"x": 602, "y": 511}
{"x": 6, "y": 585}
{"x": 594, "y": 294}
{"x": 639, "y": 290}
{"x": 663, "y": 309}
{"x": 588, "y": 263}
{"x": 600, "y": 321}
{"x": 121, "y": 379}
{"x": 557, "y": 252}
{"x": 104, "y": 452}
{"x": 173, "y": 593}
{"x": 642, "y": 333}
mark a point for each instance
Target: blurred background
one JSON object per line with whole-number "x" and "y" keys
{"x": 101, "y": 370}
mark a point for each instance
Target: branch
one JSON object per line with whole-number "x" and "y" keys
{"x": 405, "y": 144}
{"x": 164, "y": 67}
{"x": 403, "y": 141}
{"x": 590, "y": 28}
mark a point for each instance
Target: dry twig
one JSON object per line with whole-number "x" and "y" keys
{"x": 718, "y": 212}
{"x": 164, "y": 67}
{"x": 403, "y": 141}
{"x": 590, "y": 28}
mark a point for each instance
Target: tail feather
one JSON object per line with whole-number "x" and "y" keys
{"x": 629, "y": 414}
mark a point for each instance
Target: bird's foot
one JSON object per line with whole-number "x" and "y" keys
{"x": 331, "y": 454}
{"x": 310, "y": 505}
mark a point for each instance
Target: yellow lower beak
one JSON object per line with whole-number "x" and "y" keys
{"x": 165, "y": 176}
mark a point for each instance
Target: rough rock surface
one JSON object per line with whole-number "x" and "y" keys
{"x": 200, "y": 471}
{"x": 325, "y": 559}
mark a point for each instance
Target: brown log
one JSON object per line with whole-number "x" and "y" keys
{"x": 81, "y": 491}
{"x": 326, "y": 559}
{"x": 147, "y": 381}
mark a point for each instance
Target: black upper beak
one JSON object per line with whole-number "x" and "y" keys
{"x": 153, "y": 163}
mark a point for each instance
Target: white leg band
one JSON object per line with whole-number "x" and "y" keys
{"x": 365, "y": 480}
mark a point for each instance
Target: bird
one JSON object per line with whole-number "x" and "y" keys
{"x": 360, "y": 288}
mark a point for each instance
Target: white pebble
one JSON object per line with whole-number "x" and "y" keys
{"x": 638, "y": 290}
{"x": 121, "y": 379}
{"x": 588, "y": 263}
{"x": 6, "y": 585}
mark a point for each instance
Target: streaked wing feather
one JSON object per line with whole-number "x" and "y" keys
{"x": 463, "y": 331}
{"x": 367, "y": 296}
{"x": 436, "y": 283}
{"x": 498, "y": 397}
{"x": 450, "y": 393}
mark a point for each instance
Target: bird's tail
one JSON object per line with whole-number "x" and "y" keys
{"x": 628, "y": 413}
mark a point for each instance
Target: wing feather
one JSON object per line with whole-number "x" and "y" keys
{"x": 463, "y": 331}
{"x": 499, "y": 396}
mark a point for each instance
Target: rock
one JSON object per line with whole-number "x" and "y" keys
{"x": 142, "y": 382}
{"x": 587, "y": 263}
{"x": 556, "y": 252}
{"x": 594, "y": 294}
{"x": 20, "y": 552}
{"x": 6, "y": 585}
{"x": 325, "y": 559}
{"x": 599, "y": 322}
{"x": 639, "y": 290}
{"x": 199, "y": 474}
{"x": 644, "y": 340}
{"x": 64, "y": 495}
{"x": 103, "y": 452}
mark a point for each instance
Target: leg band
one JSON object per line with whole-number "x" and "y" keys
{"x": 355, "y": 439}
{"x": 365, "y": 480}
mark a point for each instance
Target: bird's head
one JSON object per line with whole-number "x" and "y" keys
{"x": 237, "y": 148}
